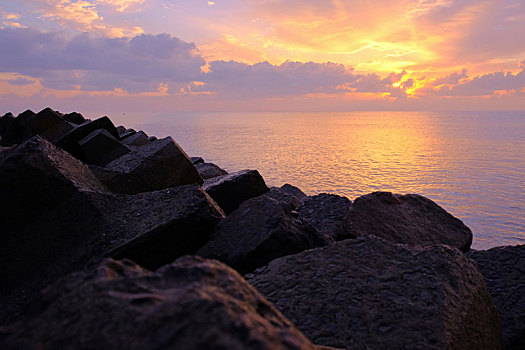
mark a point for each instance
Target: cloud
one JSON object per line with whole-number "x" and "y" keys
{"x": 487, "y": 84}
{"x": 121, "y": 5}
{"x": 451, "y": 79}
{"x": 21, "y": 81}
{"x": 135, "y": 64}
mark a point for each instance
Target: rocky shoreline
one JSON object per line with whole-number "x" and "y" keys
{"x": 113, "y": 239}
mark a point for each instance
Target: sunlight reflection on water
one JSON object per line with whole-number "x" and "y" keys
{"x": 470, "y": 163}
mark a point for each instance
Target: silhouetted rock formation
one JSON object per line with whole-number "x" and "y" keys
{"x": 504, "y": 272}
{"x": 190, "y": 304}
{"x": 209, "y": 170}
{"x": 409, "y": 219}
{"x": 374, "y": 294}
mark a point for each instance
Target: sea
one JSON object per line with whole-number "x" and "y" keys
{"x": 470, "y": 163}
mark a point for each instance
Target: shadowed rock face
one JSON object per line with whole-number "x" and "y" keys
{"x": 190, "y": 304}
{"x": 229, "y": 191}
{"x": 260, "y": 230}
{"x": 504, "y": 271}
{"x": 209, "y": 170}
{"x": 410, "y": 219}
{"x": 326, "y": 212}
{"x": 372, "y": 294}
{"x": 157, "y": 165}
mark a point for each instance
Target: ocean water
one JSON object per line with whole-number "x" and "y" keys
{"x": 470, "y": 163}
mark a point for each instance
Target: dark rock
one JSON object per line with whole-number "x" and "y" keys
{"x": 229, "y": 191}
{"x": 152, "y": 138}
{"x": 49, "y": 124}
{"x": 295, "y": 191}
{"x": 17, "y": 130}
{"x": 504, "y": 271}
{"x": 4, "y": 151}
{"x": 410, "y": 219}
{"x": 100, "y": 148}
{"x": 260, "y": 230}
{"x": 160, "y": 164}
{"x": 190, "y": 304}
{"x": 136, "y": 140}
{"x": 69, "y": 141}
{"x": 373, "y": 294}
{"x": 326, "y": 212}
{"x": 74, "y": 117}
{"x": 121, "y": 129}
{"x": 196, "y": 160}
{"x": 6, "y": 121}
{"x": 127, "y": 133}
{"x": 209, "y": 170}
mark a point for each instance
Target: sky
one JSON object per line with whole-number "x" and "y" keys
{"x": 262, "y": 55}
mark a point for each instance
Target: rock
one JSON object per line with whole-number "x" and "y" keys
{"x": 18, "y": 130}
{"x": 6, "y": 121}
{"x": 410, "y": 219}
{"x": 260, "y": 230}
{"x": 121, "y": 129}
{"x": 127, "y": 133}
{"x": 158, "y": 165}
{"x": 69, "y": 141}
{"x": 504, "y": 271}
{"x": 152, "y": 138}
{"x": 49, "y": 124}
{"x": 74, "y": 117}
{"x": 4, "y": 151}
{"x": 295, "y": 191}
{"x": 373, "y": 294}
{"x": 196, "y": 160}
{"x": 190, "y": 304}
{"x": 326, "y": 212}
{"x": 229, "y": 191}
{"x": 136, "y": 140}
{"x": 209, "y": 170}
{"x": 100, "y": 148}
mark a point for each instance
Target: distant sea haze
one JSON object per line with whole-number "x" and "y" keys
{"x": 470, "y": 163}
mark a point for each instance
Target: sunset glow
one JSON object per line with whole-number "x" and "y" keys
{"x": 291, "y": 55}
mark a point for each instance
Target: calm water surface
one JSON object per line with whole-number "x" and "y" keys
{"x": 470, "y": 163}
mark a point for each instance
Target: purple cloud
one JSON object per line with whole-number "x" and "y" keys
{"x": 20, "y": 81}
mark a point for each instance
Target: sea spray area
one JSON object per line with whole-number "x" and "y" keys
{"x": 113, "y": 238}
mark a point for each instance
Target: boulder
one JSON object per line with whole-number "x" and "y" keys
{"x": 127, "y": 133}
{"x": 326, "y": 212}
{"x": 49, "y": 124}
{"x": 4, "y": 151}
{"x": 6, "y": 121}
{"x": 196, "y": 160}
{"x": 158, "y": 165}
{"x": 100, "y": 148}
{"x": 209, "y": 170}
{"x": 229, "y": 191}
{"x": 373, "y": 294}
{"x": 136, "y": 140}
{"x": 260, "y": 230}
{"x": 69, "y": 141}
{"x": 74, "y": 117}
{"x": 190, "y": 304}
{"x": 121, "y": 129}
{"x": 295, "y": 191}
{"x": 17, "y": 130}
{"x": 409, "y": 219}
{"x": 504, "y": 271}
{"x": 152, "y": 138}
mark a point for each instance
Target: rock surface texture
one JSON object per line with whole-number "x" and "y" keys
{"x": 504, "y": 271}
{"x": 409, "y": 219}
{"x": 260, "y": 230}
{"x": 190, "y": 304}
{"x": 372, "y": 294}
{"x": 209, "y": 170}
{"x": 229, "y": 191}
{"x": 326, "y": 212}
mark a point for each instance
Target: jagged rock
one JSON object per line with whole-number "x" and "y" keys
{"x": 160, "y": 164}
{"x": 74, "y": 117}
{"x": 260, "y": 230}
{"x": 209, "y": 170}
{"x": 196, "y": 160}
{"x": 136, "y": 140}
{"x": 5, "y": 122}
{"x": 326, "y": 212}
{"x": 100, "y": 148}
{"x": 295, "y": 191}
{"x": 409, "y": 219}
{"x": 152, "y": 138}
{"x": 69, "y": 141}
{"x": 49, "y": 124}
{"x": 190, "y": 304}
{"x": 127, "y": 133}
{"x": 373, "y": 294}
{"x": 504, "y": 271}
{"x": 229, "y": 191}
{"x": 17, "y": 130}
{"x": 121, "y": 129}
